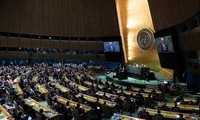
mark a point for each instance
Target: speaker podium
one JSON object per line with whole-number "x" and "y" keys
{"x": 121, "y": 75}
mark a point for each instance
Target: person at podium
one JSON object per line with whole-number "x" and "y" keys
{"x": 163, "y": 46}
{"x": 110, "y": 47}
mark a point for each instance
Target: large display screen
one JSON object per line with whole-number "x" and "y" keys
{"x": 164, "y": 44}
{"x": 111, "y": 46}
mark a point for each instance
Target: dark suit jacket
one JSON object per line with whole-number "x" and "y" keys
{"x": 180, "y": 119}
{"x": 164, "y": 48}
{"x": 110, "y": 48}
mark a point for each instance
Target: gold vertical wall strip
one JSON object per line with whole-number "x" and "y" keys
{"x": 135, "y": 15}
{"x": 121, "y": 29}
{"x": 138, "y": 17}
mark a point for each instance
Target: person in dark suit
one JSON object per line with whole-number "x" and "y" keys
{"x": 41, "y": 114}
{"x": 143, "y": 114}
{"x": 158, "y": 116}
{"x": 164, "y": 107}
{"x": 163, "y": 45}
{"x": 180, "y": 117}
{"x": 110, "y": 47}
{"x": 179, "y": 98}
{"x": 176, "y": 108}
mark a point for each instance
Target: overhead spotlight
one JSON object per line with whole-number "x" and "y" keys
{"x": 49, "y": 38}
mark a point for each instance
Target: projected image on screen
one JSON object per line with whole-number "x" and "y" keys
{"x": 164, "y": 44}
{"x": 111, "y": 46}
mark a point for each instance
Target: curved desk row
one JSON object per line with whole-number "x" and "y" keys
{"x": 167, "y": 114}
{"x": 36, "y": 106}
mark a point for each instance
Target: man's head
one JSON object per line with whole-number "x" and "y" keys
{"x": 162, "y": 40}
{"x": 181, "y": 115}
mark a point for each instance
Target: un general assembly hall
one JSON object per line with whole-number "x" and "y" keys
{"x": 99, "y": 59}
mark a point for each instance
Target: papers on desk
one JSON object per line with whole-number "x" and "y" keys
{"x": 100, "y": 92}
{"x": 194, "y": 118}
{"x": 178, "y": 103}
{"x": 177, "y": 116}
{"x": 29, "y": 118}
{"x": 32, "y": 104}
{"x": 165, "y": 82}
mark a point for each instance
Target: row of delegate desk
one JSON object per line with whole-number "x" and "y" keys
{"x": 87, "y": 109}
{"x": 18, "y": 90}
{"x": 18, "y": 78}
{"x": 126, "y": 117}
{"x": 94, "y": 99}
{"x": 49, "y": 113}
{"x": 42, "y": 90}
{"x": 187, "y": 99}
{"x": 61, "y": 88}
{"x": 182, "y": 106}
{"x": 72, "y": 84}
{"x": 35, "y": 79}
{"x": 63, "y": 101}
{"x": 168, "y": 114}
{"x": 134, "y": 91}
{"x": 36, "y": 106}
{"x": 100, "y": 93}
{"x": 4, "y": 115}
{"x": 94, "y": 84}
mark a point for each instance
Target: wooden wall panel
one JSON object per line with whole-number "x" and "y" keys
{"x": 56, "y": 44}
{"x": 92, "y": 45}
{"x": 35, "y": 43}
{"x": 50, "y": 44}
{"x": 83, "y": 45}
{"x": 99, "y": 45}
{"x": 13, "y": 17}
{"x": 15, "y": 41}
{"x": 3, "y": 16}
{"x": 50, "y": 56}
{"x": 9, "y": 43}
{"x": 197, "y": 40}
{"x": 167, "y": 13}
{"x": 64, "y": 45}
{"x": 14, "y": 55}
{"x": 80, "y": 18}
{"x": 2, "y": 41}
{"x": 46, "y": 43}
{"x": 190, "y": 41}
{"x": 42, "y": 43}
{"x": 74, "y": 45}
{"x": 24, "y": 43}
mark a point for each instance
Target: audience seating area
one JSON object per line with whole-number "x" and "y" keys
{"x": 67, "y": 92}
